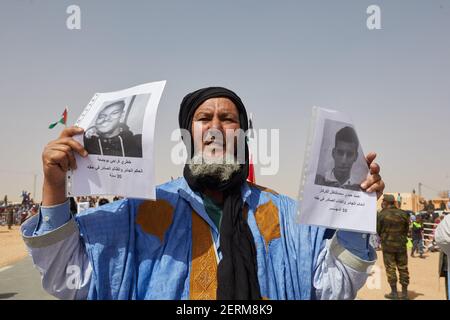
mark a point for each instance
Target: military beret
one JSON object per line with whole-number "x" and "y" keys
{"x": 389, "y": 198}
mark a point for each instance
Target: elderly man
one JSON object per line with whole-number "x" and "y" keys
{"x": 345, "y": 153}
{"x": 208, "y": 235}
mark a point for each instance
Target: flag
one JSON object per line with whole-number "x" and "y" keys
{"x": 251, "y": 169}
{"x": 62, "y": 120}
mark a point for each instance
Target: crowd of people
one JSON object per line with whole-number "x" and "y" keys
{"x": 91, "y": 201}
{"x": 16, "y": 213}
{"x": 13, "y": 213}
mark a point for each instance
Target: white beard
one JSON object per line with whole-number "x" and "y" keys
{"x": 214, "y": 167}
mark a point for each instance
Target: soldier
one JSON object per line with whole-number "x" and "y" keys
{"x": 392, "y": 227}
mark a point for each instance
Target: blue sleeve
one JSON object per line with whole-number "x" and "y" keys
{"x": 51, "y": 218}
{"x": 357, "y": 243}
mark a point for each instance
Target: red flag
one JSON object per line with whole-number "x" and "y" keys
{"x": 251, "y": 168}
{"x": 251, "y": 171}
{"x": 64, "y": 116}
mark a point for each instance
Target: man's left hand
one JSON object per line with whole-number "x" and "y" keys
{"x": 373, "y": 183}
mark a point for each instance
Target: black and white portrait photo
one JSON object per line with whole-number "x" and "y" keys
{"x": 330, "y": 189}
{"x": 117, "y": 128}
{"x": 341, "y": 161}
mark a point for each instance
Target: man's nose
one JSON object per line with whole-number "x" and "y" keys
{"x": 213, "y": 134}
{"x": 216, "y": 123}
{"x": 216, "y": 126}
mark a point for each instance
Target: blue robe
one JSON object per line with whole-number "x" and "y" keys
{"x": 169, "y": 249}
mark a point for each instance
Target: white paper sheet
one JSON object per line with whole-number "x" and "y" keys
{"x": 81, "y": 206}
{"x": 334, "y": 167}
{"x": 119, "y": 131}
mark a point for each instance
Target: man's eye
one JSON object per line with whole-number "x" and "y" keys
{"x": 344, "y": 153}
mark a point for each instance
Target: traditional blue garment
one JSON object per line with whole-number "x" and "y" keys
{"x": 136, "y": 249}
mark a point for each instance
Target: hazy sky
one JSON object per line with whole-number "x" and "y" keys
{"x": 281, "y": 57}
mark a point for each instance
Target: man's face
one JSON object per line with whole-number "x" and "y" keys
{"x": 344, "y": 155}
{"x": 109, "y": 118}
{"x": 211, "y": 121}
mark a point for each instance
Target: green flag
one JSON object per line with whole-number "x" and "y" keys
{"x": 62, "y": 120}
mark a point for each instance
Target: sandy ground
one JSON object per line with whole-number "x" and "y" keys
{"x": 425, "y": 283}
{"x": 12, "y": 248}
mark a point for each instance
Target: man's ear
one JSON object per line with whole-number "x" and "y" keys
{"x": 333, "y": 153}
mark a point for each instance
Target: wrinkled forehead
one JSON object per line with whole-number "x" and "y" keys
{"x": 221, "y": 105}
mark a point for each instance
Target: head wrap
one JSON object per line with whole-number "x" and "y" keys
{"x": 237, "y": 271}
{"x": 389, "y": 198}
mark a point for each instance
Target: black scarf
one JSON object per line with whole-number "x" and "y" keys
{"x": 237, "y": 271}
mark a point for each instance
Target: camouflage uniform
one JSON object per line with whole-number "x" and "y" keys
{"x": 392, "y": 227}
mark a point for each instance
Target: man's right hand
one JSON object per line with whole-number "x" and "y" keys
{"x": 57, "y": 159}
